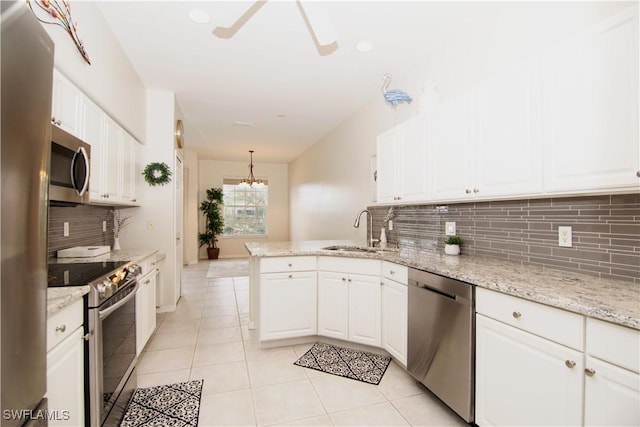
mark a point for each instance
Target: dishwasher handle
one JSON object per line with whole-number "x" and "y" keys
{"x": 460, "y": 299}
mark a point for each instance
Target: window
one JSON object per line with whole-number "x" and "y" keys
{"x": 245, "y": 209}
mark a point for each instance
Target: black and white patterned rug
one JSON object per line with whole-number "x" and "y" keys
{"x": 345, "y": 362}
{"x": 165, "y": 405}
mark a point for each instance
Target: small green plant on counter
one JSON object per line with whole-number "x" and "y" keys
{"x": 454, "y": 240}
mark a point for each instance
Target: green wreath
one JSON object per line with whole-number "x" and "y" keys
{"x": 157, "y": 173}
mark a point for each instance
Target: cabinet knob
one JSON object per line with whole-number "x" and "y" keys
{"x": 349, "y": 280}
{"x": 392, "y": 272}
{"x": 53, "y": 120}
{"x": 475, "y": 190}
{"x": 570, "y": 363}
{"x": 467, "y": 191}
{"x": 290, "y": 276}
{"x": 344, "y": 279}
{"x": 638, "y": 173}
{"x": 589, "y": 372}
{"x": 290, "y": 265}
{"x": 517, "y": 315}
{"x": 61, "y": 328}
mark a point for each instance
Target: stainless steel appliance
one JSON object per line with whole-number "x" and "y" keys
{"x": 441, "y": 339}
{"x": 69, "y": 176}
{"x": 27, "y": 73}
{"x": 111, "y": 332}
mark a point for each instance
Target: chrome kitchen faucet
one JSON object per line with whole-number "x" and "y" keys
{"x": 356, "y": 224}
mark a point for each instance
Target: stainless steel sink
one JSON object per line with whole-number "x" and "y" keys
{"x": 360, "y": 249}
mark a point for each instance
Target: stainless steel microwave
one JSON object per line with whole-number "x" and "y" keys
{"x": 69, "y": 172}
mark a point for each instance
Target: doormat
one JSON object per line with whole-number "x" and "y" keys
{"x": 345, "y": 362}
{"x": 165, "y": 405}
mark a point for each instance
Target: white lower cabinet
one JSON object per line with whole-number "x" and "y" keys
{"x": 394, "y": 319}
{"x": 333, "y": 305}
{"x": 146, "y": 305}
{"x": 288, "y": 305}
{"x": 523, "y": 379}
{"x": 364, "y": 309}
{"x": 65, "y": 366}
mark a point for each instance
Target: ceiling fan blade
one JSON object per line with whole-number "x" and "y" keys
{"x": 232, "y": 24}
{"x": 319, "y": 25}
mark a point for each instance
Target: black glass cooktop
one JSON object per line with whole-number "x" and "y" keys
{"x": 77, "y": 274}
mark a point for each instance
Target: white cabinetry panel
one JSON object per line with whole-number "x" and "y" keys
{"x": 333, "y": 305}
{"x": 66, "y": 107}
{"x": 394, "y": 319}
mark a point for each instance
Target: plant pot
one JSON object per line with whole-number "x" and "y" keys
{"x": 452, "y": 249}
{"x": 213, "y": 253}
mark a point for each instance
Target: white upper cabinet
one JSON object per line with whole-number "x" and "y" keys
{"x": 112, "y": 166}
{"x": 92, "y": 134}
{"x": 591, "y": 109}
{"x": 66, "y": 105}
{"x": 402, "y": 162}
{"x": 488, "y": 142}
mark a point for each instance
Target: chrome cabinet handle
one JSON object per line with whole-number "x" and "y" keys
{"x": 570, "y": 363}
{"x": 589, "y": 372}
{"x": 61, "y": 328}
{"x": 517, "y": 315}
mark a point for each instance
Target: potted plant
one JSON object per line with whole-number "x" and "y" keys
{"x": 452, "y": 245}
{"x": 214, "y": 222}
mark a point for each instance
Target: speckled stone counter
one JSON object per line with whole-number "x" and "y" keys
{"x": 58, "y": 298}
{"x": 606, "y": 299}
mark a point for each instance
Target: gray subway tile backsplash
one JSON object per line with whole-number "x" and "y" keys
{"x": 606, "y": 231}
{"x": 85, "y": 227}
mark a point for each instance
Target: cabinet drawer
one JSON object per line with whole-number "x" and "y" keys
{"x": 63, "y": 323}
{"x": 396, "y": 272}
{"x": 555, "y": 324}
{"x": 349, "y": 265}
{"x": 613, "y": 343}
{"x": 291, "y": 263}
{"x": 148, "y": 264}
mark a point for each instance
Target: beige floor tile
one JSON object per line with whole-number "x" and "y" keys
{"x": 221, "y": 281}
{"x": 222, "y": 378}
{"x": 165, "y": 360}
{"x": 244, "y": 319}
{"x": 286, "y": 402}
{"x": 227, "y": 310}
{"x": 216, "y": 354}
{"x": 267, "y": 372}
{"x": 177, "y": 325}
{"x": 214, "y": 322}
{"x": 173, "y": 340}
{"x": 233, "y": 408}
{"x": 254, "y": 352}
{"x": 248, "y": 334}
{"x": 397, "y": 383}
{"x": 301, "y": 349}
{"x": 338, "y": 394}
{"x": 322, "y": 420}
{"x": 184, "y": 312}
{"x": 381, "y": 414}
{"x": 426, "y": 410}
{"x": 213, "y": 301}
{"x": 219, "y": 335}
{"x": 163, "y": 378}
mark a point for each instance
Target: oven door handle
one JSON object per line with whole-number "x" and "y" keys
{"x": 104, "y": 313}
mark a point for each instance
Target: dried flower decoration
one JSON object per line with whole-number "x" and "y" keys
{"x": 60, "y": 11}
{"x": 119, "y": 222}
{"x": 390, "y": 214}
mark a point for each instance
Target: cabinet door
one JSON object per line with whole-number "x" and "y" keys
{"x": 333, "y": 305}
{"x": 145, "y": 310}
{"x": 412, "y": 160}
{"x": 93, "y": 125}
{"x": 524, "y": 379}
{"x": 112, "y": 160}
{"x": 386, "y": 159}
{"x": 364, "y": 309}
{"x": 394, "y": 319}
{"x": 65, "y": 381}
{"x": 612, "y": 395}
{"x": 591, "y": 109}
{"x": 288, "y": 305}
{"x": 128, "y": 145}
{"x": 67, "y": 101}
{"x": 508, "y": 136}
{"x": 451, "y": 160}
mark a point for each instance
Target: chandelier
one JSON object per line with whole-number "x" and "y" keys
{"x": 251, "y": 182}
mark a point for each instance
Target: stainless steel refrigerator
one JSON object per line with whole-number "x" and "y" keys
{"x": 26, "y": 86}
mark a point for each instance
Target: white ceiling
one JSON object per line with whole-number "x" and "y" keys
{"x": 271, "y": 66}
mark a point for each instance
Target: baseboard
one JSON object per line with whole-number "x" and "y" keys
{"x": 166, "y": 308}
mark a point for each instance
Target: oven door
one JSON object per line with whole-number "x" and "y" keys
{"x": 112, "y": 350}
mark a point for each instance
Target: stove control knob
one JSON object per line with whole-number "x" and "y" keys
{"x": 109, "y": 288}
{"x": 102, "y": 290}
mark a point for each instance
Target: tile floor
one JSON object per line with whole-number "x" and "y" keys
{"x": 207, "y": 337}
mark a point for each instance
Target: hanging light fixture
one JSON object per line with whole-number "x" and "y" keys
{"x": 251, "y": 181}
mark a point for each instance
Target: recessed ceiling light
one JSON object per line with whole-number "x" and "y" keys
{"x": 364, "y": 46}
{"x": 199, "y": 16}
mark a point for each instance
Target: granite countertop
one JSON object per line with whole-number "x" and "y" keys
{"x": 611, "y": 300}
{"x": 59, "y": 298}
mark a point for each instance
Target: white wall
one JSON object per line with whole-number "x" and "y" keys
{"x": 329, "y": 183}
{"x": 212, "y": 172}
{"x": 110, "y": 81}
{"x": 191, "y": 203}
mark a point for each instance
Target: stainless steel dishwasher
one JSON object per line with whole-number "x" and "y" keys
{"x": 441, "y": 339}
